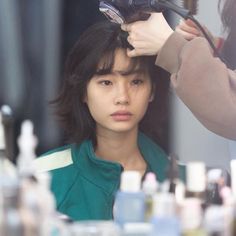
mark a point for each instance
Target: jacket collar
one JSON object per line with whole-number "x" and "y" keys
{"x": 106, "y": 174}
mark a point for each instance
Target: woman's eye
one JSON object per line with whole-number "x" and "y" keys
{"x": 105, "y": 82}
{"x": 137, "y": 81}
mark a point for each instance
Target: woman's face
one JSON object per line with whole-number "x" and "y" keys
{"x": 118, "y": 101}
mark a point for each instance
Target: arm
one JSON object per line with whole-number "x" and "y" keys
{"x": 202, "y": 81}
{"x": 189, "y": 30}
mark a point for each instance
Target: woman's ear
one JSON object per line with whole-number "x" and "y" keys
{"x": 151, "y": 97}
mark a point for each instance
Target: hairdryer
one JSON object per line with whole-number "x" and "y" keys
{"x": 126, "y": 11}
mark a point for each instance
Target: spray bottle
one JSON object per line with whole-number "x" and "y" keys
{"x": 27, "y": 143}
{"x": 30, "y": 198}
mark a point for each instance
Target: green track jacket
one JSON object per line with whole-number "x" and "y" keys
{"x": 85, "y": 185}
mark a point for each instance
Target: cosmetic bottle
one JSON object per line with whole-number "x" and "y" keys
{"x": 164, "y": 220}
{"x": 2, "y": 147}
{"x": 191, "y": 211}
{"x": 233, "y": 176}
{"x": 215, "y": 212}
{"x": 137, "y": 229}
{"x": 13, "y": 222}
{"x": 27, "y": 143}
{"x": 196, "y": 181}
{"x": 7, "y": 167}
{"x": 2, "y": 159}
{"x": 8, "y": 187}
{"x": 229, "y": 210}
{"x": 191, "y": 217}
{"x": 30, "y": 199}
{"x": 8, "y": 121}
{"x": 213, "y": 187}
{"x": 233, "y": 188}
{"x": 47, "y": 204}
{"x": 129, "y": 203}
{"x": 149, "y": 187}
{"x": 173, "y": 184}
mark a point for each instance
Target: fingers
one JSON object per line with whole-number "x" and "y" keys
{"x": 186, "y": 35}
{"x": 190, "y": 23}
{"x": 131, "y": 40}
{"x": 140, "y": 50}
{"x": 126, "y": 27}
{"x": 134, "y": 52}
{"x": 189, "y": 28}
{"x": 130, "y": 27}
{"x": 133, "y": 43}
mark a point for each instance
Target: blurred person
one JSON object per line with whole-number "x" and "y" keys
{"x": 112, "y": 107}
{"x": 203, "y": 82}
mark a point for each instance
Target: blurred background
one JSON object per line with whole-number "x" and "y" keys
{"x": 35, "y": 37}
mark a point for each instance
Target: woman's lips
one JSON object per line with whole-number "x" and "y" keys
{"x": 121, "y": 116}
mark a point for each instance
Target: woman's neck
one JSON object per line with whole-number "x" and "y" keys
{"x": 121, "y": 148}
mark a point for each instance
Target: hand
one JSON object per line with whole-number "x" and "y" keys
{"x": 147, "y": 37}
{"x": 189, "y": 31}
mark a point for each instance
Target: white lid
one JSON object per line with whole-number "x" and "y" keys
{"x": 2, "y": 137}
{"x": 233, "y": 176}
{"x": 5, "y": 109}
{"x": 130, "y": 181}
{"x": 196, "y": 177}
{"x": 214, "y": 175}
{"x": 27, "y": 141}
{"x": 150, "y": 184}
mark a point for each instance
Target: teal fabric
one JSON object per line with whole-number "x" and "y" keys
{"x": 85, "y": 190}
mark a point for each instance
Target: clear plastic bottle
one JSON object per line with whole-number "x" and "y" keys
{"x": 149, "y": 187}
{"x": 13, "y": 223}
{"x": 191, "y": 212}
{"x": 191, "y": 216}
{"x": 164, "y": 220}
{"x": 8, "y": 184}
{"x": 30, "y": 197}
{"x": 49, "y": 219}
{"x": 196, "y": 180}
{"x": 130, "y": 200}
{"x": 27, "y": 143}
{"x": 173, "y": 183}
{"x": 233, "y": 187}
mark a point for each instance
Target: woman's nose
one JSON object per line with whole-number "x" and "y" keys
{"x": 122, "y": 95}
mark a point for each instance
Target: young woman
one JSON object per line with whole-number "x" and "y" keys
{"x": 203, "y": 82}
{"x": 108, "y": 101}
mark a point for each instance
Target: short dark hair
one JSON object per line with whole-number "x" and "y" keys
{"x": 97, "y": 43}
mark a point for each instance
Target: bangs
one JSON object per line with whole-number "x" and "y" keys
{"x": 106, "y": 64}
